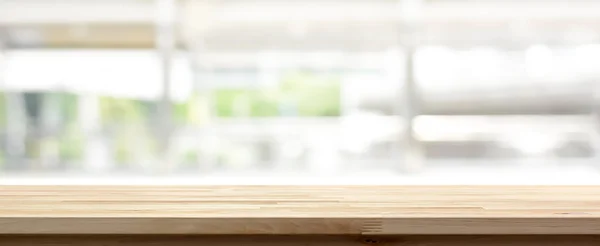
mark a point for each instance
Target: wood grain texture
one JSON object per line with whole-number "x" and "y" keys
{"x": 247, "y": 240}
{"x": 269, "y": 210}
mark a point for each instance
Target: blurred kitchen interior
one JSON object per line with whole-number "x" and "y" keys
{"x": 203, "y": 86}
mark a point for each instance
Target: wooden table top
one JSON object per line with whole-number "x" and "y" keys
{"x": 300, "y": 210}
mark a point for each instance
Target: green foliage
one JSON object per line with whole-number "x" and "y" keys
{"x": 122, "y": 154}
{"x": 314, "y": 96}
{"x": 69, "y": 103}
{"x": 130, "y": 139}
{"x": 33, "y": 105}
{"x": 134, "y": 115}
{"x": 310, "y": 95}
{"x": 180, "y": 111}
{"x": 3, "y": 109}
{"x": 260, "y": 104}
{"x": 225, "y": 100}
{"x": 71, "y": 143}
{"x": 307, "y": 94}
{"x": 2, "y": 159}
{"x": 122, "y": 110}
{"x": 190, "y": 157}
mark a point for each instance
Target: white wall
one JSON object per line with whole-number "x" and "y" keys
{"x": 121, "y": 73}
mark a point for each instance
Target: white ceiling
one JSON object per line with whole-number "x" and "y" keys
{"x": 65, "y": 11}
{"x": 235, "y": 25}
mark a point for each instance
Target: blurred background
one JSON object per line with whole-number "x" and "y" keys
{"x": 225, "y": 87}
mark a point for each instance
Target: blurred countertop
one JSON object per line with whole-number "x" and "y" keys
{"x": 287, "y": 210}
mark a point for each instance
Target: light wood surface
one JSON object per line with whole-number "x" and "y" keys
{"x": 129, "y": 240}
{"x": 367, "y": 210}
